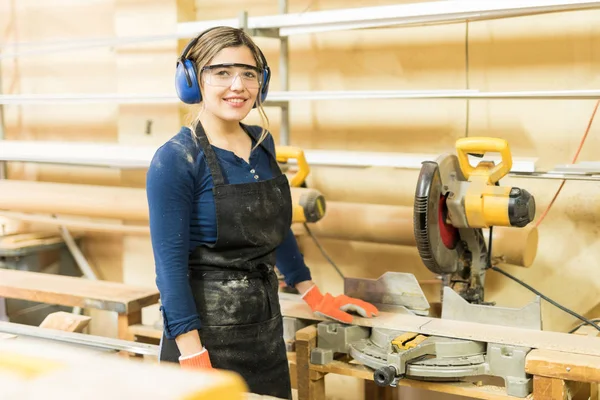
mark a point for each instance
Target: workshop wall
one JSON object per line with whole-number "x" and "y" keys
{"x": 549, "y": 52}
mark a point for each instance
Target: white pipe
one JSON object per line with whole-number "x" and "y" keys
{"x": 427, "y": 13}
{"x": 124, "y": 156}
{"x": 278, "y": 97}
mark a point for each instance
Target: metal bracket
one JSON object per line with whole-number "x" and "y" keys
{"x": 456, "y": 308}
{"x": 392, "y": 291}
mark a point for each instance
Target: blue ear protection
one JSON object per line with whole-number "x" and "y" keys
{"x": 186, "y": 76}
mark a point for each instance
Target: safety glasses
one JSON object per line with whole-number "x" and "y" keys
{"x": 225, "y": 74}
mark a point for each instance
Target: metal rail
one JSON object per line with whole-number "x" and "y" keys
{"x": 81, "y": 339}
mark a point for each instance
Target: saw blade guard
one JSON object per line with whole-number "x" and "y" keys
{"x": 436, "y": 240}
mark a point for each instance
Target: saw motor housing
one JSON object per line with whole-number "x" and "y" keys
{"x": 454, "y": 201}
{"x": 475, "y": 200}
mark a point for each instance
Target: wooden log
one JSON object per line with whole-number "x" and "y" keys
{"x": 361, "y": 222}
{"x": 70, "y": 199}
{"x": 388, "y": 224}
{"x": 76, "y": 225}
{"x": 110, "y": 202}
{"x": 375, "y": 223}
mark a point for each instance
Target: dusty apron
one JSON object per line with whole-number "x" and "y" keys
{"x": 234, "y": 285}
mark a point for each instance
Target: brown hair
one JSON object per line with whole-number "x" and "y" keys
{"x": 210, "y": 44}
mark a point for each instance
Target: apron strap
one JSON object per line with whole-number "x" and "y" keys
{"x": 275, "y": 170}
{"x": 210, "y": 156}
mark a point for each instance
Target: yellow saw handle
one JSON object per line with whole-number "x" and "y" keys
{"x": 482, "y": 145}
{"x": 284, "y": 153}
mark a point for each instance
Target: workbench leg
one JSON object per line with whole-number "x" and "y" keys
{"x": 595, "y": 391}
{"x": 311, "y": 384}
{"x": 126, "y": 320}
{"x": 549, "y": 388}
{"x": 374, "y": 392}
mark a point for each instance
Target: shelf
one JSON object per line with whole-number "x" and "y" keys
{"x": 138, "y": 157}
{"x": 281, "y": 98}
{"x": 282, "y": 25}
{"x": 105, "y": 155}
{"x": 426, "y": 13}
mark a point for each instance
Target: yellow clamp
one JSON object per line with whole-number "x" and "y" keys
{"x": 408, "y": 340}
{"x": 284, "y": 153}
{"x": 481, "y": 145}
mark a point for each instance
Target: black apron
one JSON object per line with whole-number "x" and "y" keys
{"x": 234, "y": 284}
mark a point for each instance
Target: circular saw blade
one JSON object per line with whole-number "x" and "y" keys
{"x": 436, "y": 256}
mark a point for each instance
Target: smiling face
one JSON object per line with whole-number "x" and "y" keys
{"x": 230, "y": 84}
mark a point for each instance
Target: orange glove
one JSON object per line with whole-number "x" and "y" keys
{"x": 335, "y": 307}
{"x": 196, "y": 361}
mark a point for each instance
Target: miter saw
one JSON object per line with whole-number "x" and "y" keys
{"x": 454, "y": 201}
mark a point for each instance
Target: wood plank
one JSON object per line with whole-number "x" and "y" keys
{"x": 293, "y": 306}
{"x": 75, "y": 292}
{"x": 65, "y": 321}
{"x": 557, "y": 364}
{"x": 30, "y": 239}
{"x": 145, "y": 331}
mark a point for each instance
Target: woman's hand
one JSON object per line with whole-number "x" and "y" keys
{"x": 199, "y": 360}
{"x": 193, "y": 355}
{"x": 334, "y": 307}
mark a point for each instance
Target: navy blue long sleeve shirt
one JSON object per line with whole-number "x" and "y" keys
{"x": 182, "y": 217}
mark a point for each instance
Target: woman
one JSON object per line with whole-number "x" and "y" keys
{"x": 220, "y": 219}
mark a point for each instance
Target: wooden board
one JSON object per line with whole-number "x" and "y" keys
{"x": 31, "y": 239}
{"x": 75, "y": 292}
{"x": 293, "y": 306}
{"x": 65, "y": 321}
{"x": 145, "y": 331}
{"x": 557, "y": 364}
